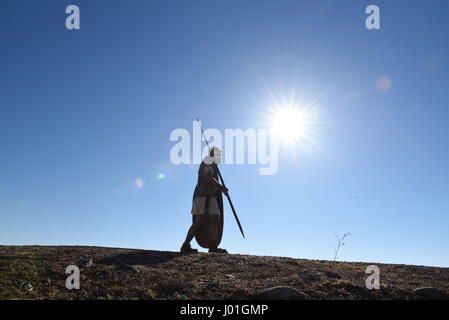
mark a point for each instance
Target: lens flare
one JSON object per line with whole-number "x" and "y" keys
{"x": 384, "y": 84}
{"x": 139, "y": 183}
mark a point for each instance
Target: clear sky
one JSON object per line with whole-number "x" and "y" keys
{"x": 85, "y": 113}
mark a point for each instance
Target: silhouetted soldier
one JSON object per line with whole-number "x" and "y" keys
{"x": 207, "y": 206}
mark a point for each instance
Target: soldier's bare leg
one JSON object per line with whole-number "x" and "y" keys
{"x": 197, "y": 222}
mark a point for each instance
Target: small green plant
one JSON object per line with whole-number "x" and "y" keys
{"x": 151, "y": 294}
{"x": 339, "y": 244}
{"x": 182, "y": 297}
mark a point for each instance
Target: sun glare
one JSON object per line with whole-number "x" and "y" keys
{"x": 292, "y": 125}
{"x": 288, "y": 124}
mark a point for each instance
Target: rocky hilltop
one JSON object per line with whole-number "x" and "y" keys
{"x": 38, "y": 272}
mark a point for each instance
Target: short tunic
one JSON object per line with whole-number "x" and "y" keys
{"x": 203, "y": 192}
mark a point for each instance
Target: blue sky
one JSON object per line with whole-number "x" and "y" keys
{"x": 84, "y": 113}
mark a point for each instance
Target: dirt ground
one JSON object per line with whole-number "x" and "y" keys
{"x": 38, "y": 272}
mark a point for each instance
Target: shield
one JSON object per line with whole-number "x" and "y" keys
{"x": 209, "y": 235}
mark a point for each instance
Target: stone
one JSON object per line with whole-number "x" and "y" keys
{"x": 28, "y": 287}
{"x": 428, "y": 293}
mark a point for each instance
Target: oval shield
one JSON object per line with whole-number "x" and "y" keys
{"x": 210, "y": 233}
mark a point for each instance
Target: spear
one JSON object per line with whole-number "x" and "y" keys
{"x": 223, "y": 184}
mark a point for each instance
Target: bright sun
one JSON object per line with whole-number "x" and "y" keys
{"x": 292, "y": 125}
{"x": 289, "y": 124}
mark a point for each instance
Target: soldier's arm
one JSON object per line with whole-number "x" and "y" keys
{"x": 210, "y": 180}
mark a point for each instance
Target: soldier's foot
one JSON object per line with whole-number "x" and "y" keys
{"x": 218, "y": 250}
{"x": 186, "y": 248}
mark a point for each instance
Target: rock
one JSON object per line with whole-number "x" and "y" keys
{"x": 28, "y": 287}
{"x": 428, "y": 293}
{"x": 46, "y": 282}
{"x": 281, "y": 293}
{"x": 90, "y": 262}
